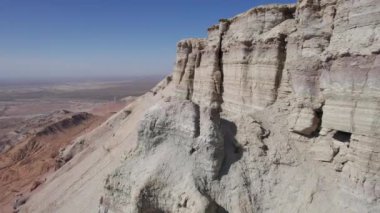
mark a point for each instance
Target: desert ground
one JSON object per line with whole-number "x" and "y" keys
{"x": 39, "y": 119}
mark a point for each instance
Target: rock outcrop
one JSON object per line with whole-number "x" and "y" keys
{"x": 187, "y": 155}
{"x": 277, "y": 110}
{"x": 297, "y": 90}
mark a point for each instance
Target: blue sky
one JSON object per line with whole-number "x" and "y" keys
{"x": 76, "y": 38}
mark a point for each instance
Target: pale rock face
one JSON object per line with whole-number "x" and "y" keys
{"x": 277, "y": 110}
{"x": 189, "y": 54}
{"x": 253, "y": 58}
{"x": 305, "y": 121}
{"x": 207, "y": 88}
{"x": 173, "y": 162}
{"x": 323, "y": 150}
{"x": 350, "y": 85}
{"x": 248, "y": 60}
{"x": 356, "y": 28}
{"x": 363, "y": 168}
{"x": 314, "y": 23}
{"x": 352, "y": 95}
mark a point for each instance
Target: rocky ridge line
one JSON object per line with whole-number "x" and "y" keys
{"x": 275, "y": 111}
{"x": 296, "y": 88}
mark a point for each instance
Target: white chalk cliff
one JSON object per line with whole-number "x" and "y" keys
{"x": 277, "y": 110}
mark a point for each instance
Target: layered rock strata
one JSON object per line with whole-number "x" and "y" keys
{"x": 277, "y": 110}
{"x": 188, "y": 155}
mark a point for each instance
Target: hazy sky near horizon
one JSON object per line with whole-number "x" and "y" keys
{"x": 76, "y": 38}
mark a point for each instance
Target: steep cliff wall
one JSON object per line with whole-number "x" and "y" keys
{"x": 296, "y": 88}
{"x": 321, "y": 55}
{"x": 277, "y": 110}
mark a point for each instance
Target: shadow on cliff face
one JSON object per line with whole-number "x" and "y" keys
{"x": 214, "y": 207}
{"x": 232, "y": 151}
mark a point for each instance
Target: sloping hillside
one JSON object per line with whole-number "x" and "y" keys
{"x": 275, "y": 111}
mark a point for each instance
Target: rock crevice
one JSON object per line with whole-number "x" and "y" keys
{"x": 258, "y": 115}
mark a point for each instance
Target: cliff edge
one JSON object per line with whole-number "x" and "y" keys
{"x": 277, "y": 110}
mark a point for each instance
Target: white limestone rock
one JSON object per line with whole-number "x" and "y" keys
{"x": 305, "y": 122}
{"x": 189, "y": 56}
{"x": 323, "y": 150}
{"x": 180, "y": 146}
{"x": 272, "y": 69}
{"x": 277, "y": 110}
{"x": 304, "y": 68}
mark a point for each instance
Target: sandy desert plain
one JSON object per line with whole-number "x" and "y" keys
{"x": 39, "y": 118}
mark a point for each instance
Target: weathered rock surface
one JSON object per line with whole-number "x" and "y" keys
{"x": 188, "y": 60}
{"x": 298, "y": 89}
{"x": 173, "y": 163}
{"x": 304, "y": 121}
{"x": 277, "y": 110}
